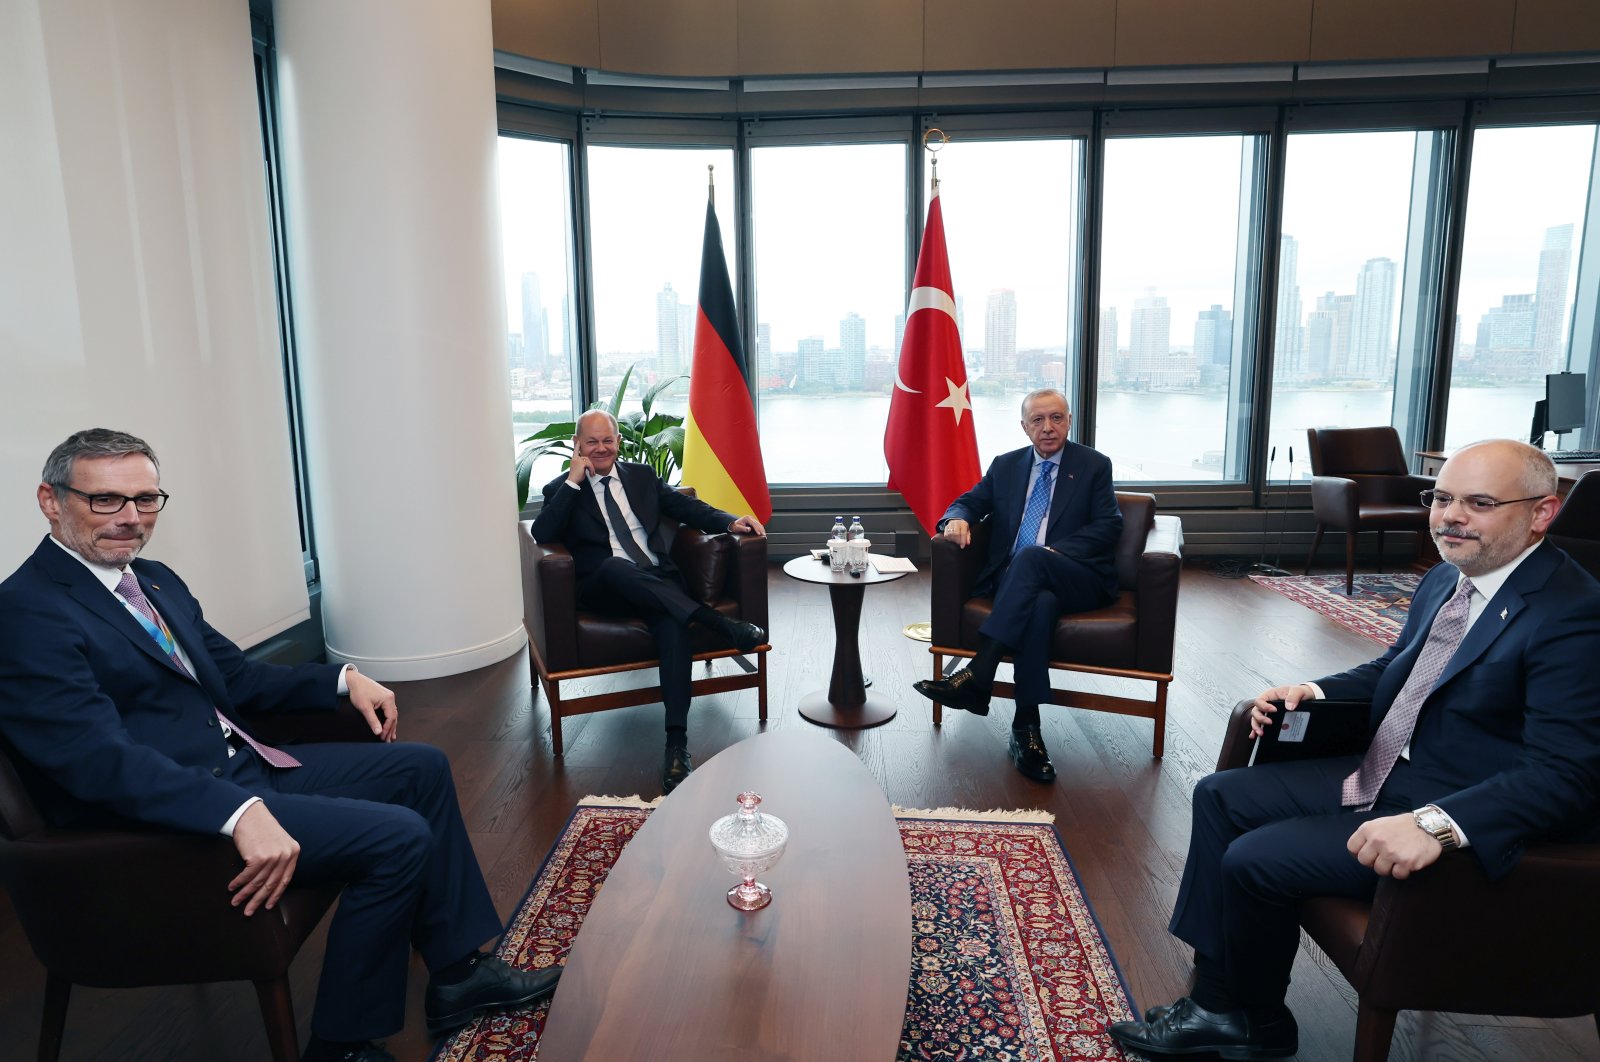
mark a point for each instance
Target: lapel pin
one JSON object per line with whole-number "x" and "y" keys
{"x": 1503, "y": 613}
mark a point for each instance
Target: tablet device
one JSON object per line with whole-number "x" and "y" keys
{"x": 1315, "y": 729}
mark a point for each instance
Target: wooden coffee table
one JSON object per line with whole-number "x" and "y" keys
{"x": 665, "y": 970}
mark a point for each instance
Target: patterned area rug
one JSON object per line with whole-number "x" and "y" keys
{"x": 1008, "y": 963}
{"x": 1377, "y": 609}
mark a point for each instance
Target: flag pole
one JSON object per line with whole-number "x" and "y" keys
{"x": 711, "y": 184}
{"x": 923, "y": 631}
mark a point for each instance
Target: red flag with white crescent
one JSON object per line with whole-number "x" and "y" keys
{"x": 930, "y": 444}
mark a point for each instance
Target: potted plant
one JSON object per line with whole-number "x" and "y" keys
{"x": 645, "y": 436}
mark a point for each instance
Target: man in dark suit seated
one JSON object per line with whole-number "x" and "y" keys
{"x": 1485, "y": 735}
{"x": 607, "y": 513}
{"x": 1053, "y": 527}
{"x": 122, "y": 703}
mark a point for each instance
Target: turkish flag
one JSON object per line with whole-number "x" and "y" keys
{"x": 930, "y": 444}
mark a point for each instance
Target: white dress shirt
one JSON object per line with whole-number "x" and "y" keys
{"x": 640, "y": 536}
{"x": 1055, "y": 480}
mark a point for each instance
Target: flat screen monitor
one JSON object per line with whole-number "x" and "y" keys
{"x": 1565, "y": 395}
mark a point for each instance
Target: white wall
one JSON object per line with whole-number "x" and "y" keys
{"x": 136, "y": 284}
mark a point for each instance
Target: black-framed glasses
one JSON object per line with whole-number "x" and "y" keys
{"x": 1438, "y": 499}
{"x": 106, "y": 504}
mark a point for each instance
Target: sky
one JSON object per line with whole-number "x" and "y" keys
{"x": 829, "y": 224}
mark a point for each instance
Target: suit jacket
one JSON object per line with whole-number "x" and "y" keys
{"x": 1084, "y": 523}
{"x": 1509, "y": 739}
{"x": 104, "y": 724}
{"x": 573, "y": 517}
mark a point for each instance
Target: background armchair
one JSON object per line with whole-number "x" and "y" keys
{"x": 1361, "y": 482}
{"x": 728, "y": 572}
{"x": 1450, "y": 939}
{"x": 1576, "y": 527}
{"x": 1132, "y": 637}
{"x": 132, "y": 907}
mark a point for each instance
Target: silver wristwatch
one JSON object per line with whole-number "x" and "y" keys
{"x": 1436, "y": 822}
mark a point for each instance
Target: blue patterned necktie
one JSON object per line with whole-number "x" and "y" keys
{"x": 1038, "y": 505}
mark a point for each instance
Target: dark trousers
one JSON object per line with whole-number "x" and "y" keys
{"x": 1263, "y": 838}
{"x": 1036, "y": 589}
{"x": 383, "y": 819}
{"x": 657, "y": 596}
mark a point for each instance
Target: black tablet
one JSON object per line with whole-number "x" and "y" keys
{"x": 1315, "y": 729}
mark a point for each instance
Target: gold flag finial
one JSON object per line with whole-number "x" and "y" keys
{"x": 933, "y": 150}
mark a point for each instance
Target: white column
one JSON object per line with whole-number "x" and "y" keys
{"x": 387, "y": 116}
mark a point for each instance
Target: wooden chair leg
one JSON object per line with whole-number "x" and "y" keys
{"x": 277, "y": 1011}
{"x": 552, "y": 696}
{"x": 1350, "y": 562}
{"x": 1316, "y": 540}
{"x": 1374, "y": 1031}
{"x": 1158, "y": 743}
{"x": 761, "y": 686}
{"x": 53, "y": 1023}
{"x": 938, "y": 673}
{"x": 1380, "y": 549}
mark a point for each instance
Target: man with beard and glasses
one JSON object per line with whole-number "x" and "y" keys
{"x": 122, "y": 703}
{"x": 1485, "y": 734}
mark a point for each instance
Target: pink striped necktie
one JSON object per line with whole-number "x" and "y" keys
{"x": 133, "y": 594}
{"x": 1394, "y": 733}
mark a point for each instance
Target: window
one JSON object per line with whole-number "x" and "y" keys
{"x": 647, "y": 224}
{"x": 536, "y": 245}
{"x": 1173, "y": 324}
{"x": 1011, "y": 218}
{"x": 830, "y": 278}
{"x": 1343, "y": 255}
{"x": 1526, "y": 214}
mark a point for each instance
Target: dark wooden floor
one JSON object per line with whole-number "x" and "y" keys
{"x": 1123, "y": 816}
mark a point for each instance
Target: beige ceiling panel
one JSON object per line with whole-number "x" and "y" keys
{"x": 677, "y": 38}
{"x": 1410, "y": 29}
{"x": 1206, "y": 32}
{"x": 557, "y": 31}
{"x": 1557, "y": 26}
{"x": 1020, "y": 34}
{"x": 829, "y": 36}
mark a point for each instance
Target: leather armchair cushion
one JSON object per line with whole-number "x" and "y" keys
{"x": 703, "y": 560}
{"x": 1106, "y": 637}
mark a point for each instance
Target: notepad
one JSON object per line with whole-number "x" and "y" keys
{"x": 886, "y": 565}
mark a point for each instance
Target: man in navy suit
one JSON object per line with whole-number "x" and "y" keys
{"x": 121, "y": 703}
{"x": 1486, "y": 735}
{"x": 608, "y": 515}
{"x": 1053, "y": 526}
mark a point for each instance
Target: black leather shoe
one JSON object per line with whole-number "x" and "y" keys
{"x": 492, "y": 985}
{"x": 962, "y": 690}
{"x": 676, "y": 764}
{"x": 1030, "y": 755}
{"x": 745, "y": 637}
{"x": 1189, "y": 1029}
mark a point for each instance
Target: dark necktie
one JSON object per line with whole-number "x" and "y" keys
{"x": 619, "y": 527}
{"x": 133, "y": 594}
{"x": 1038, "y": 505}
{"x": 1394, "y": 733}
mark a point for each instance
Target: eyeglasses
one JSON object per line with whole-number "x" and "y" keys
{"x": 1475, "y": 502}
{"x": 106, "y": 504}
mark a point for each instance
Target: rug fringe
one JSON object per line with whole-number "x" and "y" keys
{"x": 633, "y": 800}
{"x": 1000, "y": 815}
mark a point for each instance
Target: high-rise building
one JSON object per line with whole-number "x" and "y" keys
{"x": 808, "y": 364}
{"x": 1550, "y": 297}
{"x": 764, "y": 347}
{"x": 1000, "y": 333}
{"x": 1286, "y": 327}
{"x": 1213, "y": 336}
{"x": 853, "y": 335}
{"x": 1513, "y": 324}
{"x": 1319, "y": 343}
{"x": 1151, "y": 328}
{"x": 669, "y": 338}
{"x": 535, "y": 327}
{"x": 1108, "y": 345}
{"x": 1372, "y": 330}
{"x": 899, "y": 332}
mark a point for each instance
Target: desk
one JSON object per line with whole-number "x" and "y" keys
{"x": 1568, "y": 471}
{"x": 665, "y": 970}
{"x": 845, "y": 705}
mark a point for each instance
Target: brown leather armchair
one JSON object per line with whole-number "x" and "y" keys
{"x": 1360, "y": 482}
{"x": 728, "y": 572}
{"x": 1576, "y": 527}
{"x": 1450, "y": 939}
{"x": 133, "y": 907}
{"x": 1131, "y": 638}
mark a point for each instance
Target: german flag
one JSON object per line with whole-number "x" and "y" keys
{"x": 721, "y": 448}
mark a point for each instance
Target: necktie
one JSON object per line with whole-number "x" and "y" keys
{"x": 1038, "y": 505}
{"x": 1444, "y": 638}
{"x": 619, "y": 527}
{"x": 134, "y": 595}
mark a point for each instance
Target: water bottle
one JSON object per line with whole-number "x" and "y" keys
{"x": 836, "y": 545}
{"x": 858, "y": 546}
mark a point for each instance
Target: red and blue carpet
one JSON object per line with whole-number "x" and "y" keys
{"x": 1376, "y": 610}
{"x": 1008, "y": 963}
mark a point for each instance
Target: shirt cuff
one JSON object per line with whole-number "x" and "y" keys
{"x": 343, "y": 689}
{"x": 233, "y": 820}
{"x": 1316, "y": 691}
{"x": 573, "y": 485}
{"x": 1461, "y": 835}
